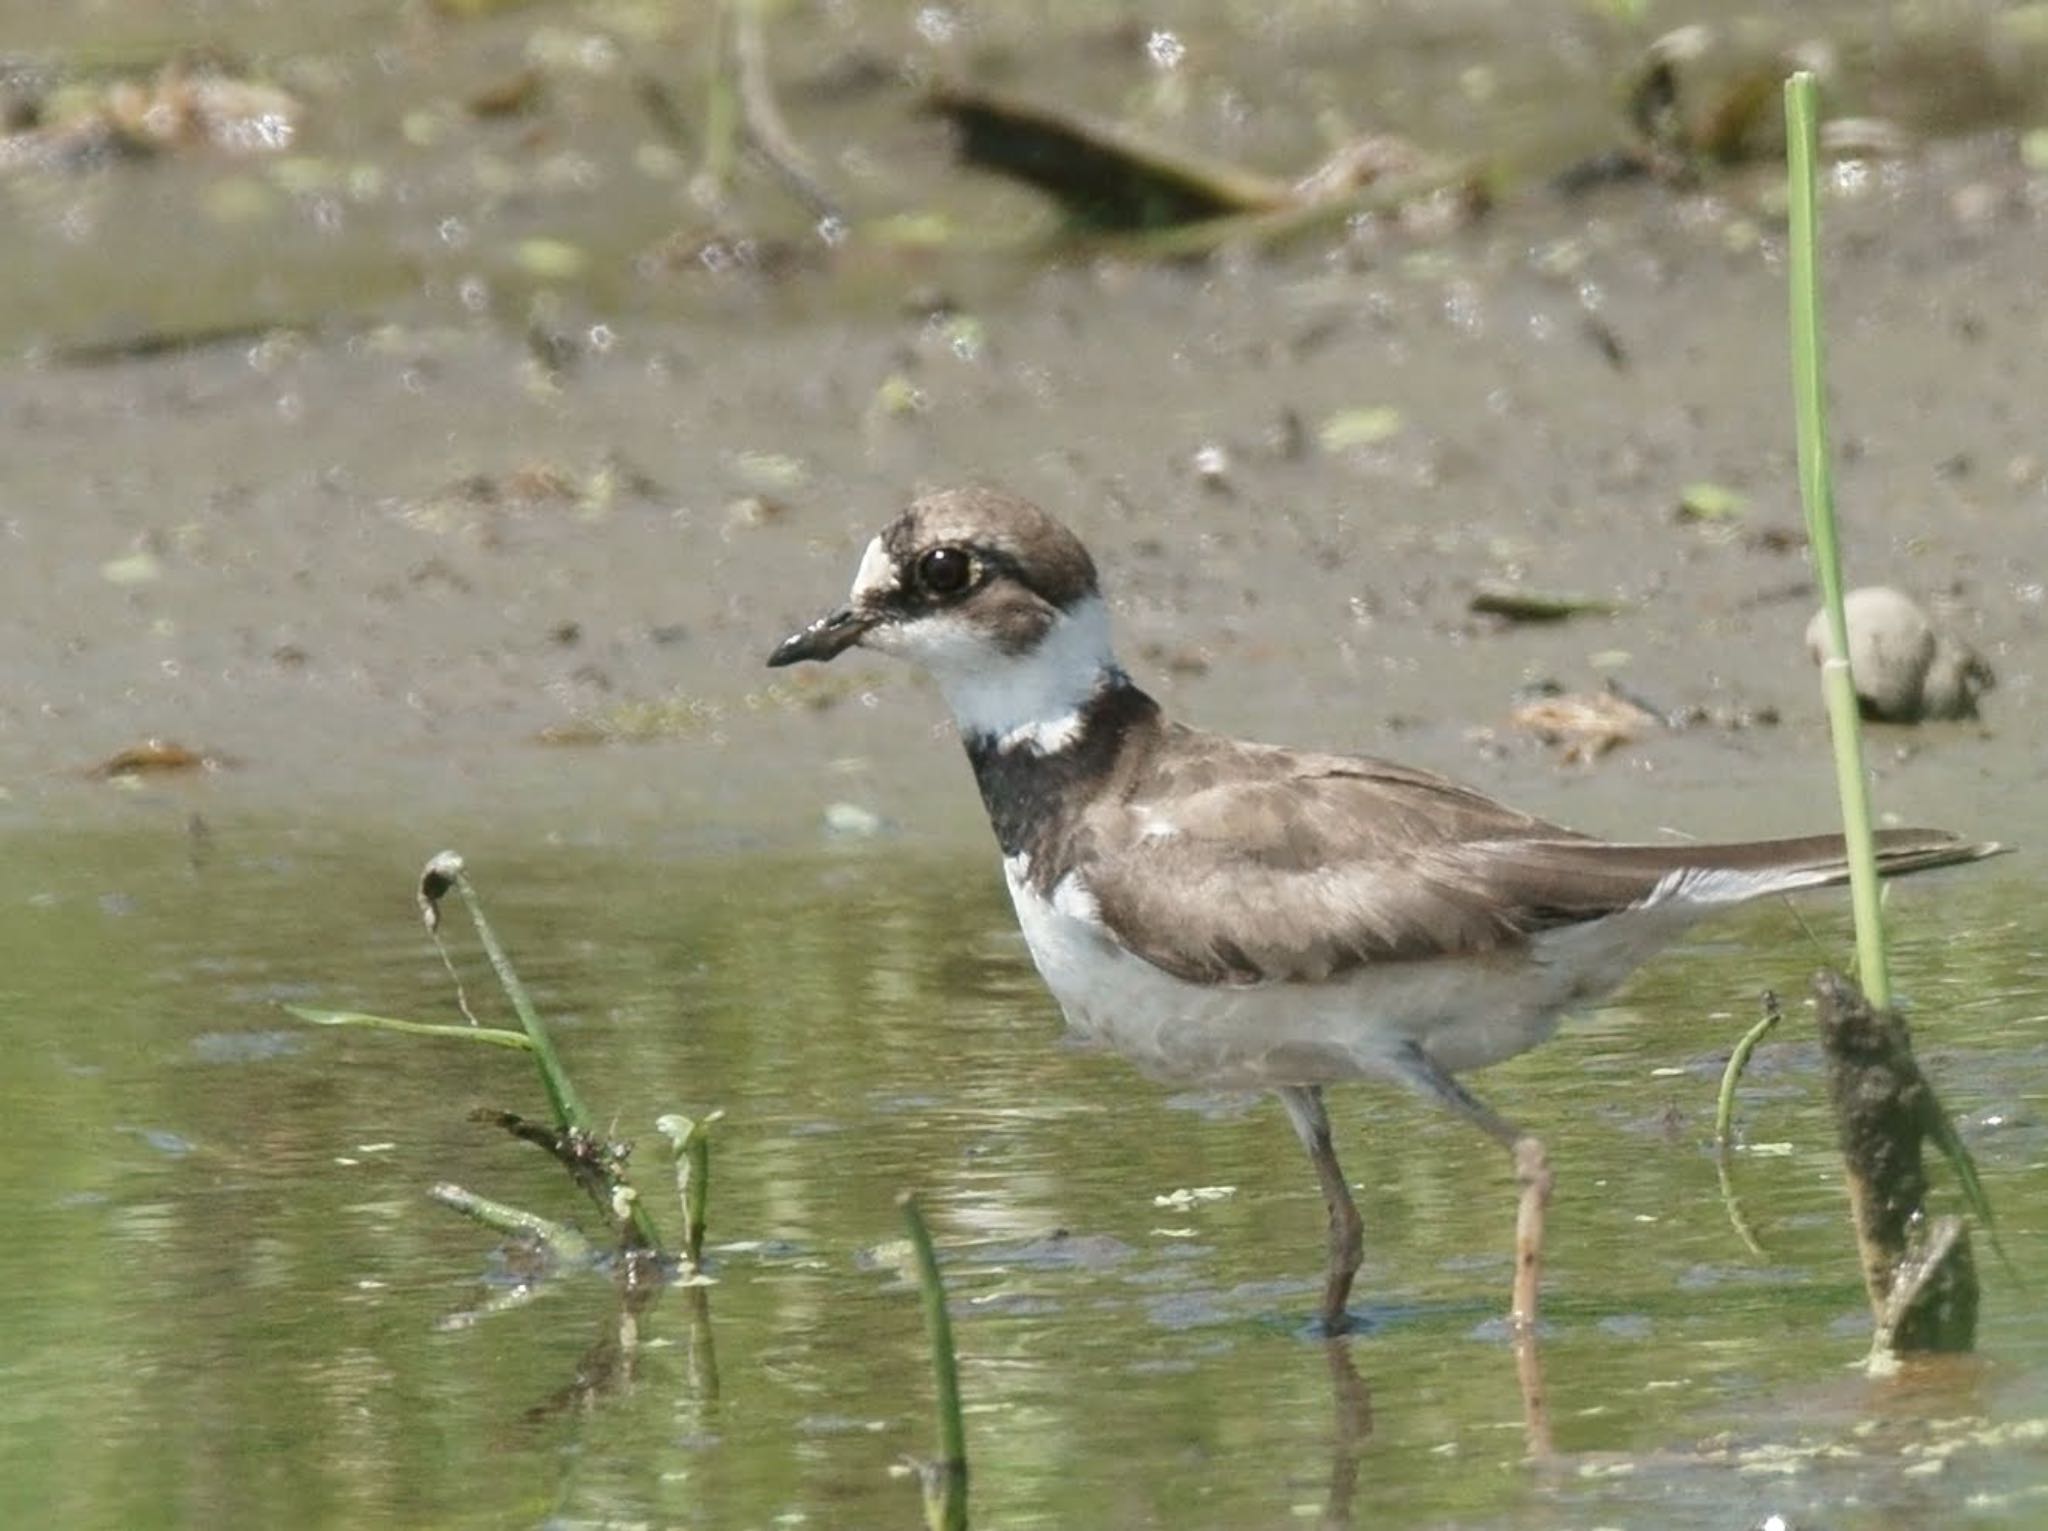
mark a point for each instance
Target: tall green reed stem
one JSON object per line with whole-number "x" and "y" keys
{"x": 1816, "y": 488}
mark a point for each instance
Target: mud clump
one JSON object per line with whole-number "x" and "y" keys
{"x": 1907, "y": 670}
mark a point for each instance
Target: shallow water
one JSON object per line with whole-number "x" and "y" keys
{"x": 228, "y": 1301}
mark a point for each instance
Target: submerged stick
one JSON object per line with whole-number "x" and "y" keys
{"x": 1922, "y": 1283}
{"x": 945, "y": 1481}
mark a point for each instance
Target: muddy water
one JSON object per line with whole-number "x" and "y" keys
{"x": 365, "y": 567}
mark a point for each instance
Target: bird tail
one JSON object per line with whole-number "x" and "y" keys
{"x": 1562, "y": 881}
{"x": 1754, "y": 868}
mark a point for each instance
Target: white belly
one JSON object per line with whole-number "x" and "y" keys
{"x": 1464, "y": 1012}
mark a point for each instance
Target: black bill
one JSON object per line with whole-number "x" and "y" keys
{"x": 823, "y": 639}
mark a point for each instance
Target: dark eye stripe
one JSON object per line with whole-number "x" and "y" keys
{"x": 990, "y": 563}
{"x": 996, "y": 562}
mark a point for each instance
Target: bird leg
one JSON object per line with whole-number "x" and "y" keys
{"x": 1304, "y": 1105}
{"x": 1532, "y": 1173}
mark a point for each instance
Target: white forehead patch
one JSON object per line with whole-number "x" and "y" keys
{"x": 876, "y": 575}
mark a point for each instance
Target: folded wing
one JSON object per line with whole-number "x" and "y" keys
{"x": 1292, "y": 868}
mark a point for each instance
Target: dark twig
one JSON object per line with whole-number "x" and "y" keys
{"x": 593, "y": 1163}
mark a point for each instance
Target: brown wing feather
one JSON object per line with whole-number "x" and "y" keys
{"x": 1238, "y": 863}
{"x": 1265, "y": 864}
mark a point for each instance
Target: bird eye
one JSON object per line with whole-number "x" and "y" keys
{"x": 945, "y": 571}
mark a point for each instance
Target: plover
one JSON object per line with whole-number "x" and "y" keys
{"x": 1250, "y": 916}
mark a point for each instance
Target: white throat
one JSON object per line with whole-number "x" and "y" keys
{"x": 1032, "y": 699}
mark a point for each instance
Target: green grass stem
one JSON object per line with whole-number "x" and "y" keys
{"x": 1724, "y": 1107}
{"x": 491, "y": 1036}
{"x": 1724, "y": 1121}
{"x": 945, "y": 1481}
{"x": 568, "y": 1108}
{"x": 562, "y": 1098}
{"x": 721, "y": 150}
{"x": 1816, "y": 487}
